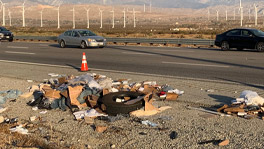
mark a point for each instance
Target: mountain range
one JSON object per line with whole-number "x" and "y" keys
{"x": 194, "y": 4}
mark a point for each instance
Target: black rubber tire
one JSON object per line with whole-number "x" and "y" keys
{"x": 101, "y": 47}
{"x": 83, "y": 45}
{"x": 114, "y": 108}
{"x": 260, "y": 47}
{"x": 62, "y": 44}
{"x": 225, "y": 46}
{"x": 10, "y": 40}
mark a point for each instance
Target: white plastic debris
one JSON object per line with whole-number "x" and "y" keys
{"x": 119, "y": 100}
{"x": 116, "y": 83}
{"x": 33, "y": 118}
{"x": 19, "y": 129}
{"x": 114, "y": 90}
{"x": 241, "y": 113}
{"x": 87, "y": 113}
{"x": 148, "y": 123}
{"x": 2, "y": 109}
{"x": 35, "y": 108}
{"x": 53, "y": 74}
{"x": 141, "y": 89}
{"x": 43, "y": 112}
{"x": 152, "y": 83}
{"x": 210, "y": 90}
{"x": 250, "y": 98}
{"x": 176, "y": 91}
{"x": 30, "y": 81}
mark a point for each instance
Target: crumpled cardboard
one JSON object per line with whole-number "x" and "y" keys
{"x": 74, "y": 92}
{"x": 62, "y": 80}
{"x": 171, "y": 96}
{"x": 101, "y": 129}
{"x": 142, "y": 113}
{"x": 54, "y": 94}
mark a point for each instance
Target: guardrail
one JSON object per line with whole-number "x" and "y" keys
{"x": 151, "y": 41}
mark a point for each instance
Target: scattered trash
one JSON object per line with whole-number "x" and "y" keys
{"x": 2, "y": 109}
{"x": 2, "y": 119}
{"x": 35, "y": 108}
{"x": 32, "y": 118}
{"x": 208, "y": 111}
{"x": 19, "y": 129}
{"x": 43, "y": 112}
{"x": 113, "y": 146}
{"x": 9, "y": 94}
{"x": 87, "y": 113}
{"x": 101, "y": 129}
{"x": 224, "y": 143}
{"x": 143, "y": 133}
{"x": 148, "y": 123}
{"x": 173, "y": 135}
{"x": 30, "y": 81}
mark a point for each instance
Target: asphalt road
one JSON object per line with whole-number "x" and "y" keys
{"x": 246, "y": 67}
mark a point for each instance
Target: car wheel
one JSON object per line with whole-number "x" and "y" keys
{"x": 101, "y": 47}
{"x": 260, "y": 47}
{"x": 83, "y": 45}
{"x": 10, "y": 40}
{"x": 240, "y": 49}
{"x": 114, "y": 108}
{"x": 225, "y": 46}
{"x": 62, "y": 44}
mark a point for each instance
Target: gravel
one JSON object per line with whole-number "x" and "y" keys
{"x": 193, "y": 129}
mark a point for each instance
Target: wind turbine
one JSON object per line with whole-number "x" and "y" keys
{"x": 226, "y": 14}
{"x": 124, "y": 11}
{"x": 113, "y": 11}
{"x": 73, "y": 17}
{"x": 217, "y": 15}
{"x": 101, "y": 15}
{"x": 10, "y": 18}
{"x": 58, "y": 9}
{"x": 256, "y": 15}
{"x": 241, "y": 14}
{"x": 88, "y": 17}
{"x": 208, "y": 13}
{"x": 249, "y": 13}
{"x": 150, "y": 6}
{"x": 3, "y": 9}
{"x": 41, "y": 16}
{"x": 23, "y": 13}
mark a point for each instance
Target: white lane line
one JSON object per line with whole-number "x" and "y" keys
{"x": 137, "y": 53}
{"x": 20, "y": 52}
{"x": 191, "y": 64}
{"x": 16, "y": 47}
{"x": 187, "y": 51}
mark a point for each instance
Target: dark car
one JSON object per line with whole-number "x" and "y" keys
{"x": 241, "y": 38}
{"x": 6, "y": 34}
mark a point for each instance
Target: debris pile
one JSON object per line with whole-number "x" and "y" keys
{"x": 101, "y": 94}
{"x": 248, "y": 105}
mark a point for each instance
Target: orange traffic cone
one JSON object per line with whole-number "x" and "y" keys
{"x": 84, "y": 63}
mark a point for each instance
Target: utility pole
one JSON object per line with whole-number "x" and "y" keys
{"x": 73, "y": 17}
{"x": 124, "y": 18}
{"x": 256, "y": 15}
{"x": 144, "y": 7}
{"x": 3, "y": 5}
{"x": 101, "y": 14}
{"x": 10, "y": 18}
{"x": 113, "y": 11}
{"x": 88, "y": 17}
{"x": 41, "y": 16}
{"x": 58, "y": 9}
{"x": 234, "y": 13}
{"x": 249, "y": 13}
{"x": 23, "y": 14}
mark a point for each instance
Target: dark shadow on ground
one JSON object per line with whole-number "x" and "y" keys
{"x": 189, "y": 58}
{"x": 216, "y": 49}
{"x": 221, "y": 99}
{"x": 246, "y": 84}
{"x": 75, "y": 67}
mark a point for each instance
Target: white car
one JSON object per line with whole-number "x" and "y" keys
{"x": 81, "y": 37}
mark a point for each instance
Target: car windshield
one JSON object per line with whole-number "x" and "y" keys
{"x": 3, "y": 29}
{"x": 258, "y": 32}
{"x": 86, "y": 33}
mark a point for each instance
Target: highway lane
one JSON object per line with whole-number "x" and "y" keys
{"x": 245, "y": 67}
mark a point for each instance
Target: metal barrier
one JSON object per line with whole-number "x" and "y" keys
{"x": 151, "y": 41}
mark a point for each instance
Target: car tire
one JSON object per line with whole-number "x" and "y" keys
{"x": 62, "y": 44}
{"x": 260, "y": 47}
{"x": 83, "y": 45}
{"x": 114, "y": 108}
{"x": 225, "y": 46}
{"x": 10, "y": 40}
{"x": 240, "y": 49}
{"x": 101, "y": 47}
